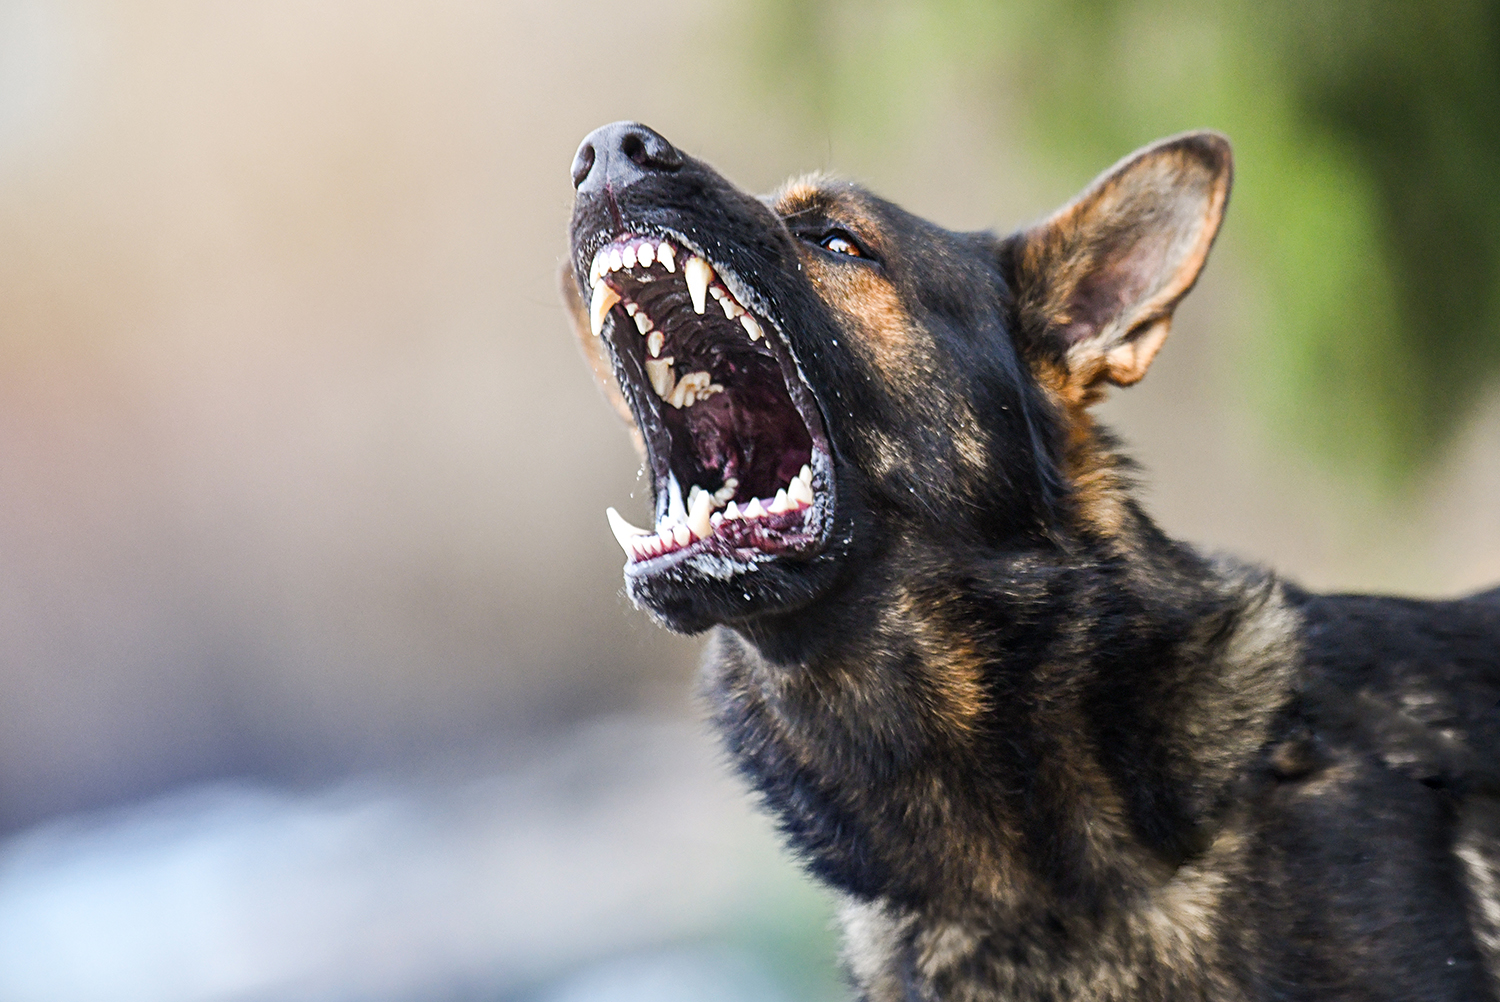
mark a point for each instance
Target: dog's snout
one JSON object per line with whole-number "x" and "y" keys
{"x": 621, "y": 154}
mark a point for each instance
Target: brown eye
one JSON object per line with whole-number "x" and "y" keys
{"x": 838, "y": 241}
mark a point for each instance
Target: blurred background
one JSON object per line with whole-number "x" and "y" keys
{"x": 317, "y": 681}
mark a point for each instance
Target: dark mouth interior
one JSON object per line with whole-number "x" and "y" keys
{"x": 744, "y": 438}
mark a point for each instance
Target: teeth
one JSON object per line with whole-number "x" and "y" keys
{"x": 665, "y": 254}
{"x": 646, "y": 254}
{"x": 754, "y": 509}
{"x": 659, "y": 371}
{"x": 654, "y": 341}
{"x": 681, "y": 534}
{"x": 717, "y": 291}
{"x": 596, "y": 270}
{"x": 729, "y": 307}
{"x": 731, "y": 511}
{"x": 698, "y": 515}
{"x": 698, "y": 273}
{"x": 751, "y": 327}
{"x": 642, "y": 322}
{"x": 800, "y": 491}
{"x": 725, "y": 493}
{"x": 631, "y": 309}
{"x": 627, "y": 256}
{"x": 625, "y": 533}
{"x": 780, "y": 503}
{"x": 604, "y": 298}
{"x": 805, "y": 474}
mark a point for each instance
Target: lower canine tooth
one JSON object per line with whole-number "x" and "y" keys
{"x": 698, "y": 514}
{"x": 604, "y": 299}
{"x": 698, "y": 273}
{"x": 625, "y": 533}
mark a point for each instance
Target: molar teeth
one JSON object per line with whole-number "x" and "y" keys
{"x": 805, "y": 474}
{"x": 800, "y": 491}
{"x": 625, "y": 533}
{"x": 751, "y": 327}
{"x": 754, "y": 509}
{"x": 681, "y": 534}
{"x": 665, "y": 254}
{"x": 654, "y": 341}
{"x": 698, "y": 273}
{"x": 731, "y": 511}
{"x": 780, "y": 503}
{"x": 659, "y": 371}
{"x": 642, "y": 322}
{"x": 604, "y": 298}
{"x": 646, "y": 253}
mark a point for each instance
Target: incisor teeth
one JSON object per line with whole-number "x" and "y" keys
{"x": 751, "y": 327}
{"x": 604, "y": 298}
{"x": 627, "y": 256}
{"x": 624, "y": 532}
{"x": 659, "y": 371}
{"x": 654, "y": 341}
{"x": 642, "y": 322}
{"x": 698, "y": 515}
{"x": 616, "y": 259}
{"x": 698, "y": 273}
{"x": 666, "y": 255}
{"x": 646, "y": 254}
{"x": 728, "y": 306}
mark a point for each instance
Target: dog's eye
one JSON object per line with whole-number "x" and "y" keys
{"x": 840, "y": 243}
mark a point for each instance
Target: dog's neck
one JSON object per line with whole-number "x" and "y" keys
{"x": 1034, "y": 736}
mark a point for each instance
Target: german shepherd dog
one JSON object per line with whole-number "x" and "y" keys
{"x": 1043, "y": 751}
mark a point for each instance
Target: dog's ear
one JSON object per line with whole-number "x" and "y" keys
{"x": 596, "y": 353}
{"x": 1095, "y": 285}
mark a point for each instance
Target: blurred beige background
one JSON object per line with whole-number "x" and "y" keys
{"x": 302, "y": 481}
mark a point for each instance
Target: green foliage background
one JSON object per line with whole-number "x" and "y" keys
{"x": 1367, "y": 191}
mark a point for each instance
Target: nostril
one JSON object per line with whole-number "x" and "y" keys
{"x": 583, "y": 163}
{"x": 634, "y": 148}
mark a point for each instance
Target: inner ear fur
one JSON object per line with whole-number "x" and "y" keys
{"x": 595, "y": 352}
{"x": 1096, "y": 283}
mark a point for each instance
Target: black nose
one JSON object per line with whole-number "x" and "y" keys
{"x": 620, "y": 155}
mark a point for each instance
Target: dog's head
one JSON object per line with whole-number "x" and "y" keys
{"x": 817, "y": 375}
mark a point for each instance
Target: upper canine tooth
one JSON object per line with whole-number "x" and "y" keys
{"x": 659, "y": 371}
{"x": 624, "y": 532}
{"x": 698, "y": 273}
{"x": 751, "y": 327}
{"x": 646, "y": 253}
{"x": 604, "y": 298}
{"x": 665, "y": 254}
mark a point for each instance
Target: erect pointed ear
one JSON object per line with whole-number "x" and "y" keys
{"x": 595, "y": 352}
{"x": 1095, "y": 285}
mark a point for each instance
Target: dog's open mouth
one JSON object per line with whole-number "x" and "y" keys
{"x": 735, "y": 444}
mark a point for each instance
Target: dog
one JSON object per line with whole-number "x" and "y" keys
{"x": 1041, "y": 750}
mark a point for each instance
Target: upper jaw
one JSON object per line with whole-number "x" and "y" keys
{"x": 740, "y": 463}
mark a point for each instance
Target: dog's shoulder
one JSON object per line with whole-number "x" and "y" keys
{"x": 1416, "y": 682}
